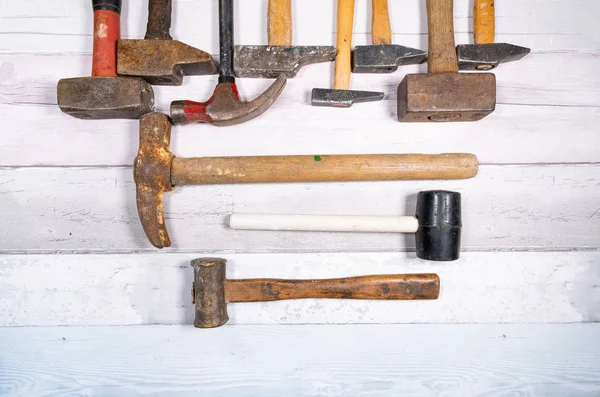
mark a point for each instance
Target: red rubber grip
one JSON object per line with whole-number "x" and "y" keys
{"x": 107, "y": 31}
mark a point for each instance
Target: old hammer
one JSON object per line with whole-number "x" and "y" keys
{"x": 444, "y": 94}
{"x": 157, "y": 170}
{"x": 279, "y": 57}
{"x": 436, "y": 225}
{"x": 225, "y": 107}
{"x": 104, "y": 95}
{"x": 383, "y": 56}
{"x": 485, "y": 54}
{"x": 341, "y": 96}
{"x": 212, "y": 291}
{"x": 158, "y": 58}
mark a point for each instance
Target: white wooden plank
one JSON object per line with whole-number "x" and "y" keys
{"x": 65, "y": 25}
{"x": 563, "y": 115}
{"x": 272, "y": 361}
{"x": 94, "y": 209}
{"x": 552, "y": 287}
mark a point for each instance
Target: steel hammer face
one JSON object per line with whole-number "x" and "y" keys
{"x": 446, "y": 97}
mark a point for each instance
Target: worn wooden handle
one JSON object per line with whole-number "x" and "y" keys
{"x": 485, "y": 21}
{"x": 380, "y": 287}
{"x": 345, "y": 20}
{"x": 159, "y": 20}
{"x": 279, "y": 22}
{"x": 442, "y": 52}
{"x": 326, "y": 168}
{"x": 381, "y": 30}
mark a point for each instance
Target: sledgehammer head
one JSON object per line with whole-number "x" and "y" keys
{"x": 162, "y": 62}
{"x": 152, "y": 175}
{"x": 208, "y": 292}
{"x": 385, "y": 58}
{"x": 439, "y": 217}
{"x": 488, "y": 56}
{"x": 270, "y": 61}
{"x": 105, "y": 97}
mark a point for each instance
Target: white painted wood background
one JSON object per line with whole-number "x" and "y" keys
{"x": 72, "y": 252}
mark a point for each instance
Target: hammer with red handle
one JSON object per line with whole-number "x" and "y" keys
{"x": 104, "y": 95}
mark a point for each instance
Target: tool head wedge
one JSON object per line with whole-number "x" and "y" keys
{"x": 342, "y": 98}
{"x": 384, "y": 58}
{"x": 488, "y": 56}
{"x": 224, "y": 107}
{"x": 270, "y": 61}
{"x": 162, "y": 62}
{"x": 105, "y": 97}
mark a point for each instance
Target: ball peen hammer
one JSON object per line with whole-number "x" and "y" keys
{"x": 383, "y": 56}
{"x": 436, "y": 225}
{"x": 224, "y": 107}
{"x": 443, "y": 94}
{"x": 104, "y": 95}
{"x": 279, "y": 57}
{"x": 158, "y": 58}
{"x": 485, "y": 54}
{"x": 157, "y": 170}
{"x": 212, "y": 291}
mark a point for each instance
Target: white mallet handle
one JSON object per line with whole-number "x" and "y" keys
{"x": 325, "y": 223}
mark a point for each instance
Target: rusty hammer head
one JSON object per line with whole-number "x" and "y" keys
{"x": 384, "y": 58}
{"x": 152, "y": 175}
{"x": 158, "y": 58}
{"x": 225, "y": 107}
{"x": 208, "y": 292}
{"x": 269, "y": 61}
{"x": 105, "y": 96}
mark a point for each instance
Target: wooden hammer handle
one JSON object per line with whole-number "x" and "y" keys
{"x": 380, "y": 287}
{"x": 279, "y": 22}
{"x": 442, "y": 51}
{"x": 345, "y": 20}
{"x": 485, "y": 21}
{"x": 159, "y": 20}
{"x": 326, "y": 168}
{"x": 381, "y": 30}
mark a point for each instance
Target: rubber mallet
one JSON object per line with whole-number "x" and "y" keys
{"x": 212, "y": 291}
{"x": 436, "y": 225}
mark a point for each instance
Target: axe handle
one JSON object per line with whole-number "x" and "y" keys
{"x": 107, "y": 31}
{"x": 345, "y": 20}
{"x": 442, "y": 51}
{"x": 484, "y": 17}
{"x": 379, "y": 287}
{"x": 279, "y": 21}
{"x": 159, "y": 20}
{"x": 381, "y": 30}
{"x": 326, "y": 168}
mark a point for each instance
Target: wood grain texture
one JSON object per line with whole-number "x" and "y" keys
{"x": 280, "y": 22}
{"x": 484, "y": 20}
{"x": 344, "y": 26}
{"x": 453, "y": 361}
{"x": 482, "y": 287}
{"x": 530, "y": 111}
{"x": 381, "y": 29}
{"x": 93, "y": 209}
{"x": 441, "y": 49}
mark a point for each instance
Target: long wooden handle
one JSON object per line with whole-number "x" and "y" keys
{"x": 345, "y": 20}
{"x": 159, "y": 20}
{"x": 442, "y": 53}
{"x": 279, "y": 22}
{"x": 380, "y": 287}
{"x": 485, "y": 21}
{"x": 326, "y": 168}
{"x": 381, "y": 30}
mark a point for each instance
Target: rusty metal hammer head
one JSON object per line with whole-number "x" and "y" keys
{"x": 152, "y": 175}
{"x": 104, "y": 95}
{"x": 208, "y": 292}
{"x": 158, "y": 58}
{"x": 385, "y": 58}
{"x": 444, "y": 94}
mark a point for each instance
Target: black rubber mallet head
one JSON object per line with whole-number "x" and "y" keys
{"x": 437, "y": 224}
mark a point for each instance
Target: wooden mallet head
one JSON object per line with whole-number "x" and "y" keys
{"x": 443, "y": 94}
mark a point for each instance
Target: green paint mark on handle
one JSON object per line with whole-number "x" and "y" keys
{"x": 317, "y": 158}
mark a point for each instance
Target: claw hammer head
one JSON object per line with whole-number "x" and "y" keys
{"x": 225, "y": 107}
{"x": 152, "y": 175}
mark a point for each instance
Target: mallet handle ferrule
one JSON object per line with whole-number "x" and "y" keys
{"x": 379, "y": 287}
{"x": 325, "y": 223}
